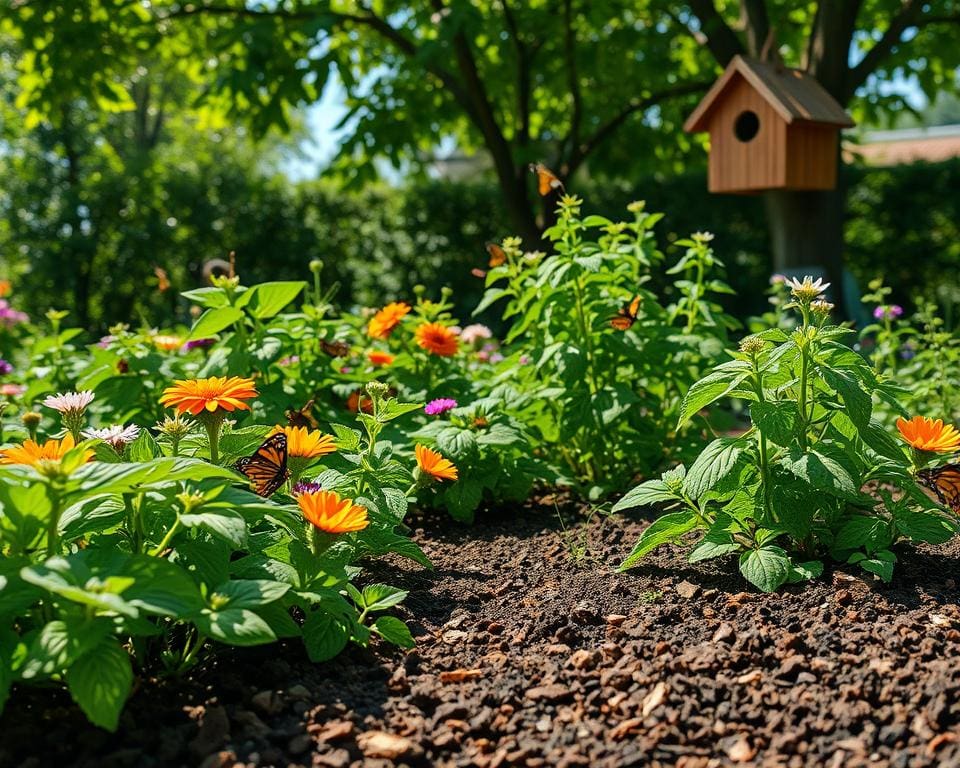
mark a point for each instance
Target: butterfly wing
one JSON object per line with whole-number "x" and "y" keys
{"x": 547, "y": 180}
{"x": 945, "y": 483}
{"x": 267, "y": 467}
{"x": 497, "y": 255}
{"x": 626, "y": 316}
{"x": 302, "y": 417}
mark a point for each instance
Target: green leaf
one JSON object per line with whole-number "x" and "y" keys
{"x": 324, "y": 636}
{"x": 462, "y": 499}
{"x": 347, "y": 439}
{"x": 663, "y": 530}
{"x": 821, "y": 472}
{"x": 379, "y": 597}
{"x": 267, "y": 299}
{"x": 60, "y": 643}
{"x": 766, "y": 568}
{"x": 645, "y": 495}
{"x": 248, "y": 593}
{"x": 858, "y": 402}
{"x": 924, "y": 526}
{"x": 714, "y": 544}
{"x": 393, "y": 630}
{"x": 880, "y": 564}
{"x": 100, "y": 682}
{"x": 144, "y": 448}
{"x": 235, "y": 626}
{"x": 776, "y": 420}
{"x": 871, "y": 533}
{"x": 713, "y": 464}
{"x": 708, "y": 390}
{"x": 211, "y": 322}
{"x": 228, "y": 524}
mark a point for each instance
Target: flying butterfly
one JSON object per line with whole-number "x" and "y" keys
{"x": 267, "y": 467}
{"x": 626, "y": 316}
{"x": 497, "y": 255}
{"x": 945, "y": 482}
{"x": 302, "y": 417}
{"x": 547, "y": 180}
{"x": 335, "y": 348}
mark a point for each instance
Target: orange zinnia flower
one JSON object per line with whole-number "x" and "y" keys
{"x": 167, "y": 343}
{"x": 306, "y": 443}
{"x": 6, "y": 287}
{"x": 388, "y": 318}
{"x": 929, "y": 435}
{"x": 437, "y": 339}
{"x": 197, "y": 395}
{"x": 329, "y": 513}
{"x": 433, "y": 464}
{"x": 33, "y": 453}
{"x": 376, "y": 357}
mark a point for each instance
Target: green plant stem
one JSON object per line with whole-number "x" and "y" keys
{"x": 162, "y": 546}
{"x": 53, "y": 524}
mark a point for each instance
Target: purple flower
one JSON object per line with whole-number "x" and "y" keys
{"x": 9, "y": 316}
{"x": 496, "y": 357}
{"x": 291, "y": 360}
{"x": 5, "y": 367}
{"x": 439, "y": 406}
{"x": 908, "y": 351}
{"x": 524, "y": 360}
{"x": 199, "y": 344}
{"x": 888, "y": 312}
{"x": 306, "y": 486}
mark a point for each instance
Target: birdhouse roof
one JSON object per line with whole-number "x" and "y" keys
{"x": 793, "y": 93}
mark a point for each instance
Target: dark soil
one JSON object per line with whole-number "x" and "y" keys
{"x": 532, "y": 651}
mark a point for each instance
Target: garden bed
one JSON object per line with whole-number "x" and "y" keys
{"x": 532, "y": 651}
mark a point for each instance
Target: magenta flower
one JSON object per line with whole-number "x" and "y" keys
{"x": 888, "y": 312}
{"x": 10, "y": 316}
{"x": 199, "y": 344}
{"x": 439, "y": 406}
{"x": 5, "y": 367}
{"x": 306, "y": 486}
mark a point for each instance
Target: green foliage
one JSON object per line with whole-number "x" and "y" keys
{"x": 792, "y": 488}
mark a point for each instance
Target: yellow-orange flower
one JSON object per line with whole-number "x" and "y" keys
{"x": 306, "y": 443}
{"x": 167, "y": 343}
{"x": 388, "y": 318}
{"x": 437, "y": 339}
{"x": 328, "y": 512}
{"x": 929, "y": 434}
{"x": 194, "y": 396}
{"x": 376, "y": 357}
{"x": 33, "y": 453}
{"x": 6, "y": 288}
{"x": 433, "y": 464}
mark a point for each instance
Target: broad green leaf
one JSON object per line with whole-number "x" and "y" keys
{"x": 100, "y": 682}
{"x": 234, "y": 626}
{"x": 462, "y": 498}
{"x": 708, "y": 390}
{"x": 268, "y": 299}
{"x": 776, "y": 420}
{"x": 144, "y": 448}
{"x": 870, "y": 533}
{"x": 766, "y": 568}
{"x": 228, "y": 524}
{"x": 393, "y": 630}
{"x": 645, "y": 495}
{"x": 925, "y": 526}
{"x": 211, "y": 322}
{"x": 248, "y": 593}
{"x": 713, "y": 464}
{"x": 324, "y": 636}
{"x": 379, "y": 597}
{"x": 821, "y": 472}
{"x": 663, "y": 530}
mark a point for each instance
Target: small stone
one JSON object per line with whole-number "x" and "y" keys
{"x": 298, "y": 692}
{"x": 741, "y": 751}
{"x": 387, "y": 746}
{"x": 267, "y": 702}
{"x": 584, "y": 659}
{"x": 686, "y": 590}
{"x": 552, "y": 692}
{"x": 615, "y": 619}
{"x": 333, "y": 730}
{"x": 724, "y": 634}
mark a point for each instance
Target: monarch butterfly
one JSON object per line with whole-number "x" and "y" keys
{"x": 267, "y": 467}
{"x": 945, "y": 482}
{"x": 627, "y": 315}
{"x": 497, "y": 255}
{"x": 335, "y": 348}
{"x": 302, "y": 417}
{"x": 547, "y": 180}
{"x": 163, "y": 279}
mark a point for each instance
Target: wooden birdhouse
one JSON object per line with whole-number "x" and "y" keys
{"x": 770, "y": 127}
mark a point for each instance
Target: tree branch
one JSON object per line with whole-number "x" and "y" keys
{"x": 524, "y": 88}
{"x": 583, "y": 150}
{"x": 756, "y": 23}
{"x": 721, "y": 39}
{"x": 911, "y": 11}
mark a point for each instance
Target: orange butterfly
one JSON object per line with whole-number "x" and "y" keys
{"x": 335, "y": 348}
{"x": 302, "y": 417}
{"x": 547, "y": 180}
{"x": 497, "y": 255}
{"x": 267, "y": 467}
{"x": 945, "y": 482}
{"x": 163, "y": 279}
{"x": 626, "y": 316}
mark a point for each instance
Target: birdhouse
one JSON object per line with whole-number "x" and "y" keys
{"x": 770, "y": 127}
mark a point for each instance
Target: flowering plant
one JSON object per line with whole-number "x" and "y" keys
{"x": 814, "y": 474}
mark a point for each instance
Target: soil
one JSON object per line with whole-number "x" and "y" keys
{"x": 532, "y": 651}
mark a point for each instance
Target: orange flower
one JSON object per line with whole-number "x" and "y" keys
{"x": 388, "y": 318}
{"x": 437, "y": 339}
{"x": 929, "y": 435}
{"x": 167, "y": 343}
{"x": 433, "y": 464}
{"x": 306, "y": 443}
{"x": 376, "y": 357}
{"x": 33, "y": 453}
{"x": 197, "y": 395}
{"x": 331, "y": 514}
{"x": 6, "y": 288}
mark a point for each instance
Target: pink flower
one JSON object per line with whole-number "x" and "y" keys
{"x": 474, "y": 333}
{"x": 887, "y": 312}
{"x": 439, "y": 406}
{"x": 70, "y": 402}
{"x": 12, "y": 390}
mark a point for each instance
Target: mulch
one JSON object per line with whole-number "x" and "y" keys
{"x": 532, "y": 651}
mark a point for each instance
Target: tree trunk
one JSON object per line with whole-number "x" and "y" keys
{"x": 806, "y": 232}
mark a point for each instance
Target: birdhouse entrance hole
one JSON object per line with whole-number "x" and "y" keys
{"x": 746, "y": 126}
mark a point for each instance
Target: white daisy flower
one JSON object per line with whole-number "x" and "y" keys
{"x": 808, "y": 289}
{"x": 70, "y": 403}
{"x": 116, "y": 436}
